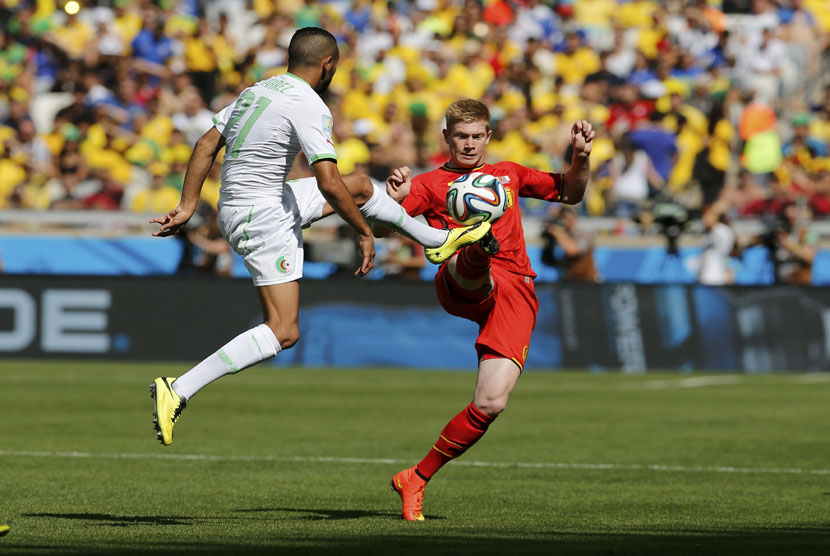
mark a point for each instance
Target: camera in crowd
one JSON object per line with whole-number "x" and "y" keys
{"x": 549, "y": 241}
{"x": 671, "y": 219}
{"x": 774, "y": 225}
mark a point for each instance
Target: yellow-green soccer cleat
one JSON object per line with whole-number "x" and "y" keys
{"x": 4, "y": 530}
{"x": 167, "y": 406}
{"x": 456, "y": 239}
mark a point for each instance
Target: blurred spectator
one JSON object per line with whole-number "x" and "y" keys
{"x": 194, "y": 120}
{"x": 714, "y": 159}
{"x": 577, "y": 247}
{"x": 108, "y": 196}
{"x": 765, "y": 63}
{"x": 797, "y": 246}
{"x": 404, "y": 258}
{"x": 159, "y": 198}
{"x": 719, "y": 244}
{"x": 204, "y": 249}
{"x": 658, "y": 143}
{"x": 632, "y": 176}
{"x": 151, "y": 47}
{"x": 790, "y": 244}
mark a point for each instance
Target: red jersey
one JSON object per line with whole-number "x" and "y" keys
{"x": 428, "y": 196}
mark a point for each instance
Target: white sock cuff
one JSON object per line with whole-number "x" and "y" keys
{"x": 267, "y": 343}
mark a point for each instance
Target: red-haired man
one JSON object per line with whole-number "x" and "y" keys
{"x": 490, "y": 282}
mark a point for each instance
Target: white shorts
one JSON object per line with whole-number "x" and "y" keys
{"x": 269, "y": 237}
{"x": 309, "y": 199}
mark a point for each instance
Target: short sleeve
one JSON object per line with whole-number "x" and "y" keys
{"x": 536, "y": 184}
{"x": 313, "y": 124}
{"x": 417, "y": 201}
{"x": 220, "y": 119}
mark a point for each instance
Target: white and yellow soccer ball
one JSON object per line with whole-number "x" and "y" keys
{"x": 476, "y": 197}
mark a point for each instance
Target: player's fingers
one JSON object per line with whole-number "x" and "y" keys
{"x": 364, "y": 269}
{"x": 586, "y": 127}
{"x": 591, "y": 136}
{"x": 406, "y": 172}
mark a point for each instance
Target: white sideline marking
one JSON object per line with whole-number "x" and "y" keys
{"x": 693, "y": 382}
{"x": 813, "y": 378}
{"x": 383, "y": 461}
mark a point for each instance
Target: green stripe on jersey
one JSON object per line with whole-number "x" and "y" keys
{"x": 323, "y": 156}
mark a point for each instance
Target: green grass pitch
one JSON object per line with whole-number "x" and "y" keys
{"x": 297, "y": 462}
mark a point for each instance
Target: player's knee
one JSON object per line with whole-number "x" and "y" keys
{"x": 360, "y": 186}
{"x": 365, "y": 189}
{"x": 289, "y": 336}
{"x": 491, "y": 405}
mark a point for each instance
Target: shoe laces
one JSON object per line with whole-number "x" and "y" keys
{"x": 179, "y": 409}
{"x": 419, "y": 492}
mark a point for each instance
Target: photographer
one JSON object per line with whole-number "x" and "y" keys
{"x": 578, "y": 247}
{"x": 791, "y": 244}
{"x": 719, "y": 244}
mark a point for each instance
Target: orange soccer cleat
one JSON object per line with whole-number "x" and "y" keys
{"x": 410, "y": 487}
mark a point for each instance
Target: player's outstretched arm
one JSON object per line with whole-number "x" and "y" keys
{"x": 204, "y": 153}
{"x": 334, "y": 191}
{"x": 576, "y": 180}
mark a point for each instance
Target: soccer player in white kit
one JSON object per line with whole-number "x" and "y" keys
{"x": 262, "y": 219}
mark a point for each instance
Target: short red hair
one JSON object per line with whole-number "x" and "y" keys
{"x": 466, "y": 111}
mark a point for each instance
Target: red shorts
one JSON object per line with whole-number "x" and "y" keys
{"x": 506, "y": 318}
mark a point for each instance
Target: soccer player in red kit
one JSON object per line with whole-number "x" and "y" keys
{"x": 490, "y": 282}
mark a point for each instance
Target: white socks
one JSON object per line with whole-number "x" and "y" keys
{"x": 383, "y": 210}
{"x": 249, "y": 348}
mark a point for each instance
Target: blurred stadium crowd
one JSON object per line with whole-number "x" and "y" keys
{"x": 696, "y": 101}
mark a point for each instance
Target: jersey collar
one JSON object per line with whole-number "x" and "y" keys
{"x": 447, "y": 167}
{"x": 298, "y": 78}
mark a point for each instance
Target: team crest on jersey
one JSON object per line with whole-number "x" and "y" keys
{"x": 283, "y": 266}
{"x": 328, "y": 124}
{"x": 504, "y": 179}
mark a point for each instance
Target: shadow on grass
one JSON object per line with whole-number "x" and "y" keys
{"x": 317, "y": 514}
{"x": 417, "y": 539}
{"x": 122, "y": 520}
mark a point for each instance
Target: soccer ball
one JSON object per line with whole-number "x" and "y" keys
{"x": 476, "y": 197}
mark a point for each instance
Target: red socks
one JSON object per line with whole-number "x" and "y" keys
{"x": 469, "y": 273}
{"x": 461, "y": 432}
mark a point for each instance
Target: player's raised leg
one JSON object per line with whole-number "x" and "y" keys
{"x": 468, "y": 273}
{"x": 496, "y": 379}
{"x": 280, "y": 307}
{"x": 376, "y": 206}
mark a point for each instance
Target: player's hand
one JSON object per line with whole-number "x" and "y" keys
{"x": 172, "y": 222}
{"x": 582, "y": 136}
{"x": 399, "y": 183}
{"x": 366, "y": 244}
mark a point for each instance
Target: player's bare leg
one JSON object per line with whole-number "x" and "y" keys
{"x": 280, "y": 308}
{"x": 496, "y": 379}
{"x": 468, "y": 273}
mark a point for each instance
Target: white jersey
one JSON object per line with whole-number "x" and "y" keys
{"x": 264, "y": 130}
{"x": 714, "y": 260}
